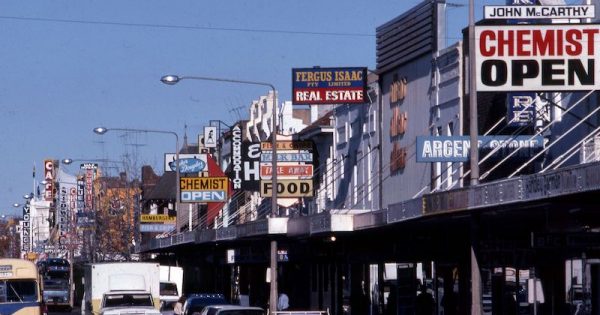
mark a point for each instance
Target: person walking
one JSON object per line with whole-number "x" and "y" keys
{"x": 178, "y": 309}
{"x": 283, "y": 302}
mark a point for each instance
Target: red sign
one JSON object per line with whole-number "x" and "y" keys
{"x": 287, "y": 170}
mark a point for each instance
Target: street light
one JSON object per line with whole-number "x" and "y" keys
{"x": 174, "y": 79}
{"x": 103, "y": 130}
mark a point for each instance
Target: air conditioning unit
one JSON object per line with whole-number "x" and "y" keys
{"x": 590, "y": 150}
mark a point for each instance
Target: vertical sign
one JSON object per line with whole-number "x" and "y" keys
{"x": 49, "y": 178}
{"x": 89, "y": 185}
{"x": 210, "y": 137}
{"x": 26, "y": 229}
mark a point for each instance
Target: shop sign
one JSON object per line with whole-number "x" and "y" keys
{"x": 204, "y": 196}
{"x": 157, "y": 228}
{"x": 49, "y": 178}
{"x": 157, "y": 218}
{"x": 287, "y": 145}
{"x": 520, "y": 109}
{"x": 288, "y": 188}
{"x": 495, "y": 12}
{"x": 329, "y": 85}
{"x": 245, "y": 162}
{"x": 188, "y": 163}
{"x": 287, "y": 157}
{"x": 528, "y": 57}
{"x": 456, "y": 148}
{"x": 299, "y": 170}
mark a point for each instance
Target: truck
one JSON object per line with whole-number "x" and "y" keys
{"x": 121, "y": 287}
{"x": 57, "y": 276}
{"x": 171, "y": 283}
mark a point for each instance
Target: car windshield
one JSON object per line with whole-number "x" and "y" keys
{"x": 118, "y": 300}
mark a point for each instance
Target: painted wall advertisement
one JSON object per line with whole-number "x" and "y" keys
{"x": 329, "y": 85}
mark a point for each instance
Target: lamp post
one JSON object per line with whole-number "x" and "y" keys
{"x": 174, "y": 79}
{"x": 103, "y": 130}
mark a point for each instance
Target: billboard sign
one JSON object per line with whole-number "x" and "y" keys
{"x": 494, "y": 12}
{"x": 527, "y": 57}
{"x": 456, "y": 148}
{"x": 188, "y": 163}
{"x": 329, "y": 85}
{"x": 288, "y": 188}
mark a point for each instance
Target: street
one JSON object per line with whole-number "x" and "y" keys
{"x": 75, "y": 310}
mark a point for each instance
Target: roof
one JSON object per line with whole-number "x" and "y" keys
{"x": 165, "y": 188}
{"x": 317, "y": 125}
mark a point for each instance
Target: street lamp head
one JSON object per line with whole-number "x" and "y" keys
{"x": 67, "y": 161}
{"x": 100, "y": 130}
{"x": 27, "y": 196}
{"x": 170, "y": 79}
{"x": 16, "y": 205}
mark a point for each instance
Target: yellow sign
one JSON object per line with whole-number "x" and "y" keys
{"x": 287, "y": 145}
{"x": 203, "y": 183}
{"x": 157, "y": 218}
{"x": 288, "y": 188}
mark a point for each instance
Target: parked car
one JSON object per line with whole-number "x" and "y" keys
{"x": 195, "y": 303}
{"x": 232, "y": 310}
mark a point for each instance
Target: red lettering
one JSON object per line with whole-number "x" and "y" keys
{"x": 590, "y": 40}
{"x": 573, "y": 38}
{"x": 487, "y": 51}
{"x": 523, "y": 38}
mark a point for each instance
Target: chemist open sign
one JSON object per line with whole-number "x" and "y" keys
{"x": 288, "y": 188}
{"x": 527, "y": 57}
{"x": 203, "y": 183}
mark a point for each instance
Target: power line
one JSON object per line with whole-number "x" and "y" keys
{"x": 183, "y": 27}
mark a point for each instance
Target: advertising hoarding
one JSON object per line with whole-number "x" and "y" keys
{"x": 329, "y": 85}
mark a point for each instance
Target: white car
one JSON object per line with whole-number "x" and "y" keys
{"x": 232, "y": 310}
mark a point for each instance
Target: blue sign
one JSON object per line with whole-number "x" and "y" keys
{"x": 157, "y": 227}
{"x": 287, "y": 157}
{"x": 520, "y": 109}
{"x": 188, "y": 165}
{"x": 456, "y": 148}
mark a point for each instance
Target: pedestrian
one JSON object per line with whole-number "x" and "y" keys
{"x": 283, "y": 302}
{"x": 425, "y": 303}
{"x": 178, "y": 309}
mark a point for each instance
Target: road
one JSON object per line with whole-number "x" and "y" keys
{"x": 76, "y": 310}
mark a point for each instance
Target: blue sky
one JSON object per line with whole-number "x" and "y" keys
{"x": 70, "y": 66}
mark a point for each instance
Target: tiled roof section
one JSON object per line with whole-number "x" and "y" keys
{"x": 324, "y": 121}
{"x": 165, "y": 188}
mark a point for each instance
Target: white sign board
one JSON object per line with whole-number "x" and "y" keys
{"x": 495, "y": 12}
{"x": 526, "y": 57}
{"x": 210, "y": 137}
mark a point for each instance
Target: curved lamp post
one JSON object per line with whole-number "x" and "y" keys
{"x": 103, "y": 130}
{"x": 174, "y": 79}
